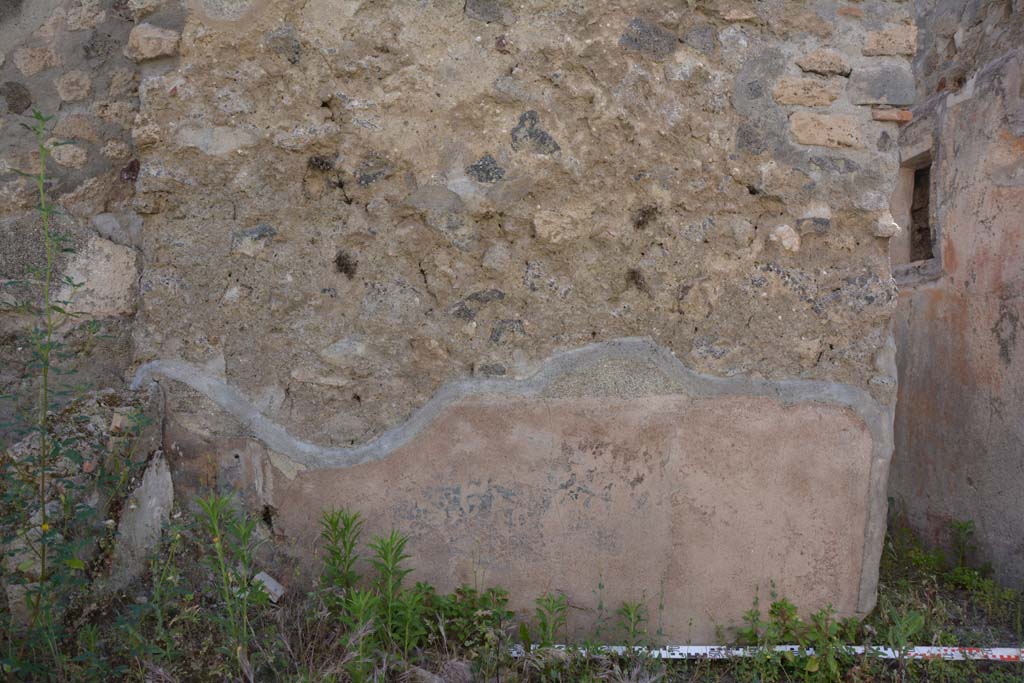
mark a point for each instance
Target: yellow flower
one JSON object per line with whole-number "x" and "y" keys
{"x": 45, "y": 527}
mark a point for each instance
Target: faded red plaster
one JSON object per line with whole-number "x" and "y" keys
{"x": 707, "y": 500}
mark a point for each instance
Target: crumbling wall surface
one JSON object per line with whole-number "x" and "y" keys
{"x": 349, "y": 204}
{"x": 959, "y": 433}
{"x": 614, "y": 465}
{"x": 957, "y": 38}
{"x": 574, "y": 275}
{"x": 374, "y": 231}
{"x": 69, "y": 60}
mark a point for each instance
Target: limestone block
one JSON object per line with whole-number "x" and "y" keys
{"x": 147, "y": 41}
{"x": 893, "y": 41}
{"x": 90, "y": 196}
{"x": 889, "y": 84}
{"x": 215, "y": 140}
{"x": 146, "y": 135}
{"x": 644, "y": 36}
{"x": 108, "y": 274}
{"x": 896, "y": 115}
{"x": 68, "y": 155}
{"x": 120, "y": 112}
{"x": 142, "y": 8}
{"x": 76, "y": 127}
{"x": 116, "y": 149}
{"x": 74, "y": 85}
{"x": 32, "y": 60}
{"x": 825, "y": 130}
{"x": 85, "y": 14}
{"x": 824, "y": 62}
{"x": 807, "y": 92}
{"x": 737, "y": 14}
{"x": 787, "y": 237}
{"x": 886, "y": 226}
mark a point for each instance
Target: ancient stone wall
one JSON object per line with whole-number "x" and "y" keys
{"x": 959, "y": 431}
{"x": 70, "y": 60}
{"x": 563, "y": 289}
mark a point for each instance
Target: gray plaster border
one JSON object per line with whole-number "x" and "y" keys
{"x": 877, "y": 417}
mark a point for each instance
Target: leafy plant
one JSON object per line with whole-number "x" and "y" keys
{"x": 633, "y": 623}
{"x": 962, "y": 533}
{"x": 90, "y": 665}
{"x": 467, "y": 621}
{"x": 411, "y": 627}
{"x": 821, "y": 653}
{"x": 362, "y": 611}
{"x": 765, "y": 664}
{"x": 552, "y": 613}
{"x": 153, "y": 628}
{"x": 469, "y": 624}
{"x": 601, "y": 609}
{"x": 340, "y": 531}
{"x": 388, "y": 560}
{"x": 44, "y": 530}
{"x": 899, "y": 634}
{"x": 233, "y": 544}
{"x": 827, "y": 638}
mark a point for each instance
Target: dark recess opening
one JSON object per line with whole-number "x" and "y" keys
{"x": 920, "y": 223}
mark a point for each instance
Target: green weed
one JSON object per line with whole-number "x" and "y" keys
{"x": 232, "y": 542}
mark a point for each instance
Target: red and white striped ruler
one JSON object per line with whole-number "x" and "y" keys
{"x": 987, "y": 654}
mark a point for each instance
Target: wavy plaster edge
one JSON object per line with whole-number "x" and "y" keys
{"x": 876, "y": 416}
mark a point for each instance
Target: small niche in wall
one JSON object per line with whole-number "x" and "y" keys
{"x": 913, "y": 252}
{"x": 921, "y": 238}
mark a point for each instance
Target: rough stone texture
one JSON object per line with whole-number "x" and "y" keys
{"x": 808, "y": 92}
{"x": 958, "y": 37}
{"x": 896, "y": 40}
{"x": 63, "y": 57}
{"x": 16, "y": 96}
{"x": 824, "y": 62}
{"x": 959, "y": 330}
{"x": 107, "y": 443}
{"x": 787, "y": 237}
{"x": 826, "y": 130}
{"x": 643, "y": 36}
{"x": 31, "y": 60}
{"x": 74, "y": 85}
{"x": 108, "y": 276}
{"x": 350, "y": 206}
{"x": 146, "y": 511}
{"x": 402, "y": 202}
{"x": 486, "y": 10}
{"x": 69, "y": 155}
{"x": 150, "y": 42}
{"x": 892, "y": 85}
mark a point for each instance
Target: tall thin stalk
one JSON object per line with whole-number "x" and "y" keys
{"x": 39, "y": 601}
{"x": 45, "y": 211}
{"x": 43, "y": 343}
